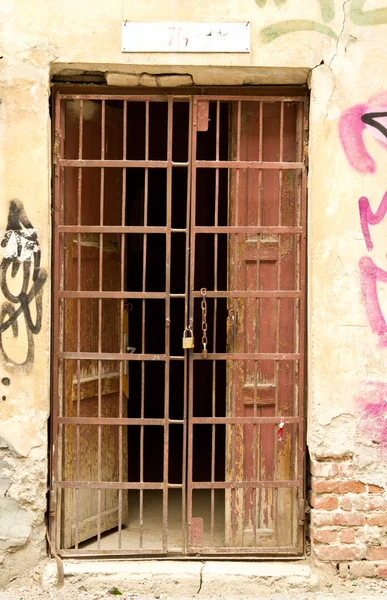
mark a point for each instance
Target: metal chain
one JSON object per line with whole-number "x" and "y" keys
{"x": 203, "y": 292}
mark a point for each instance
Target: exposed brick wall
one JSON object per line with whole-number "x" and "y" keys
{"x": 348, "y": 519}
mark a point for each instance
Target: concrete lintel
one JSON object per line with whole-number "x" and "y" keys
{"x": 206, "y": 74}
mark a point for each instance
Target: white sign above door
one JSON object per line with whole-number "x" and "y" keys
{"x": 185, "y": 37}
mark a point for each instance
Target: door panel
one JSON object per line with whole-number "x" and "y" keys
{"x": 263, "y": 478}
{"x": 92, "y": 387}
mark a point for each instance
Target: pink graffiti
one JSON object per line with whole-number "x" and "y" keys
{"x": 367, "y": 217}
{"x": 373, "y": 407}
{"x": 370, "y": 274}
{"x": 372, "y": 116}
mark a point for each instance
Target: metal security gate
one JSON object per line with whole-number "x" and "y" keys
{"x": 179, "y": 220}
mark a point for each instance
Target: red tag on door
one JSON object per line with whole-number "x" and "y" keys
{"x": 280, "y": 430}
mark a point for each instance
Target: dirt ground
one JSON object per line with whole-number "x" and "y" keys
{"x": 338, "y": 590}
{"x": 328, "y": 585}
{"x": 33, "y": 593}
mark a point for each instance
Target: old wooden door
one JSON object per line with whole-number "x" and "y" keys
{"x": 263, "y": 319}
{"x": 266, "y": 262}
{"x": 92, "y": 263}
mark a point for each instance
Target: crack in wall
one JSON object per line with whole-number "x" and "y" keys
{"x": 201, "y": 577}
{"x": 340, "y": 34}
{"x": 329, "y": 65}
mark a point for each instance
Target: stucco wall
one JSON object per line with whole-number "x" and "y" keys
{"x": 340, "y": 48}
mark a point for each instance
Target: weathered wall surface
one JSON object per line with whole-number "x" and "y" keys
{"x": 340, "y": 47}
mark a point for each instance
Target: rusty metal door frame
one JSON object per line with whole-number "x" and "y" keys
{"x": 60, "y": 295}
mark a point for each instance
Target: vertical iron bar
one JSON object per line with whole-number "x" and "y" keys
{"x": 296, "y": 331}
{"x": 257, "y": 439}
{"x": 281, "y": 158}
{"x": 216, "y": 249}
{"x": 278, "y": 317}
{"x": 62, "y": 274}
{"x": 186, "y": 311}
{"x": 191, "y": 317}
{"x": 302, "y": 318}
{"x": 100, "y": 281}
{"x": 57, "y": 330}
{"x": 234, "y": 362}
{"x": 121, "y": 342}
{"x": 144, "y": 256}
{"x": 254, "y": 519}
{"x": 79, "y": 218}
{"x": 167, "y": 322}
{"x": 259, "y": 492}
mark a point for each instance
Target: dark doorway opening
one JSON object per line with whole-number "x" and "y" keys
{"x": 152, "y": 252}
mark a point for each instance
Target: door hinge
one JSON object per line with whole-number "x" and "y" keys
{"x": 52, "y": 503}
{"x": 55, "y": 149}
{"x": 306, "y": 156}
{"x": 302, "y": 511}
{"x": 202, "y": 115}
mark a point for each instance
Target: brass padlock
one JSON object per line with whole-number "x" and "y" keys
{"x": 188, "y": 339}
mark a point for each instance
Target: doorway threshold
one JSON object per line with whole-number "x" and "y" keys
{"x": 184, "y": 578}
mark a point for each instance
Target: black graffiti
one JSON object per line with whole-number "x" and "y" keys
{"x": 22, "y": 251}
{"x": 369, "y": 119}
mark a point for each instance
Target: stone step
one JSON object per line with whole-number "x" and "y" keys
{"x": 183, "y": 578}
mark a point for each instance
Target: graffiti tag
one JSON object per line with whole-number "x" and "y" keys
{"x": 373, "y": 407}
{"x": 370, "y": 116}
{"x": 357, "y": 15}
{"x": 21, "y": 253}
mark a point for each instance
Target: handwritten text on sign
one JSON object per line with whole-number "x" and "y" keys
{"x": 185, "y": 37}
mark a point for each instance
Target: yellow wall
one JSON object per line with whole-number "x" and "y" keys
{"x": 339, "y": 48}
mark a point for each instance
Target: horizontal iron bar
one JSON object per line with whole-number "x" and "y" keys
{"x": 184, "y": 95}
{"x": 254, "y": 229}
{"x": 164, "y": 164}
{"x": 222, "y": 485}
{"x": 249, "y": 294}
{"x": 122, "y": 97}
{"x": 267, "y": 551}
{"x": 243, "y": 420}
{"x": 242, "y": 552}
{"x": 117, "y": 295}
{"x": 162, "y": 295}
{"x": 120, "y": 163}
{"x": 247, "y": 164}
{"x": 269, "y": 229}
{"x": 111, "y": 553}
{"x": 194, "y": 420}
{"x": 194, "y": 485}
{"x": 112, "y": 229}
{"x": 163, "y": 357}
{"x": 246, "y": 356}
{"x": 118, "y": 421}
{"x": 112, "y": 356}
{"x": 116, "y": 485}
{"x": 257, "y": 98}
